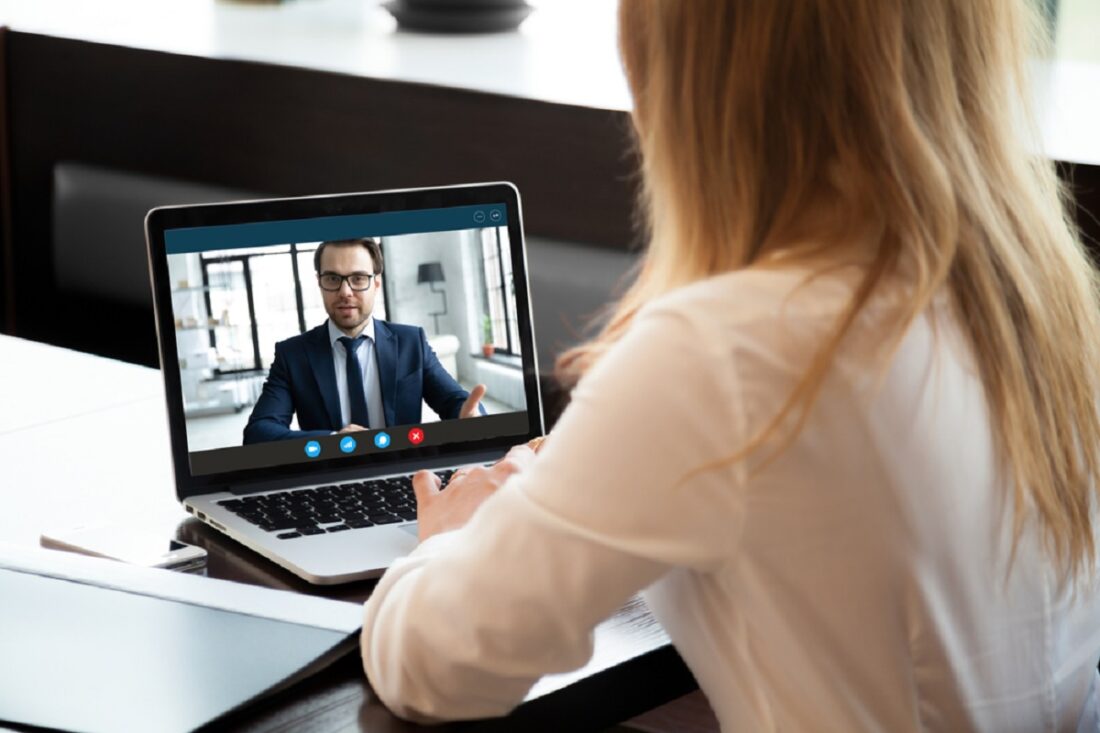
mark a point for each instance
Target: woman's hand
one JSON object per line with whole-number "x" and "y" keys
{"x": 440, "y": 510}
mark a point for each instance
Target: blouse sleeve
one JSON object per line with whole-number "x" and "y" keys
{"x": 466, "y": 624}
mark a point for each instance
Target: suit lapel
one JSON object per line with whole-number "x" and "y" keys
{"x": 385, "y": 352}
{"x": 324, "y": 371}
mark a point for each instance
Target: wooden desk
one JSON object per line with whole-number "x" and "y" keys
{"x": 84, "y": 440}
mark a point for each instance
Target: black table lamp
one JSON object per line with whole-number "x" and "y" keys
{"x": 432, "y": 273}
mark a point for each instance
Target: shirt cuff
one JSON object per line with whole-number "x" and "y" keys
{"x": 435, "y": 545}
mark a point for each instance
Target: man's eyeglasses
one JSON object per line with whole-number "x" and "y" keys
{"x": 356, "y": 281}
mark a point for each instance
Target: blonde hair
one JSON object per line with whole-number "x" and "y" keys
{"x": 906, "y": 119}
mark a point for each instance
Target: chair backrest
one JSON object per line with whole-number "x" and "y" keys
{"x": 98, "y": 228}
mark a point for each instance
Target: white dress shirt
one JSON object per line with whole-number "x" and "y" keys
{"x": 369, "y": 363}
{"x": 859, "y": 582}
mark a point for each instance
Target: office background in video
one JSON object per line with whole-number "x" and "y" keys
{"x": 232, "y": 306}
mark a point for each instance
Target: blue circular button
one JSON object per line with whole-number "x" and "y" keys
{"x": 347, "y": 444}
{"x": 313, "y": 449}
{"x": 382, "y": 440}
{"x": 479, "y": 217}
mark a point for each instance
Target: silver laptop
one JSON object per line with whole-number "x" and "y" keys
{"x": 317, "y": 351}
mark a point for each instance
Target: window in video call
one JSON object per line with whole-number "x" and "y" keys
{"x": 363, "y": 334}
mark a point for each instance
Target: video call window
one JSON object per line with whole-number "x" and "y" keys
{"x": 232, "y": 306}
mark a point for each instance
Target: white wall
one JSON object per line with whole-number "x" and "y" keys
{"x": 411, "y": 303}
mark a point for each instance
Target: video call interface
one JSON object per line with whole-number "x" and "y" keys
{"x": 307, "y": 340}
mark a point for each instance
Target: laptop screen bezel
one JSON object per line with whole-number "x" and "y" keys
{"x": 162, "y": 219}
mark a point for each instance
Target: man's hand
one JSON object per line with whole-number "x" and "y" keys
{"x": 443, "y": 510}
{"x": 352, "y": 428}
{"x": 469, "y": 407}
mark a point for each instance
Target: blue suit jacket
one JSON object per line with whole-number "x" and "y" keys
{"x": 302, "y": 380}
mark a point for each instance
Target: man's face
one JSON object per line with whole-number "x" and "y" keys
{"x": 349, "y": 309}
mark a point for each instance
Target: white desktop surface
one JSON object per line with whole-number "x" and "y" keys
{"x": 68, "y": 420}
{"x": 43, "y": 384}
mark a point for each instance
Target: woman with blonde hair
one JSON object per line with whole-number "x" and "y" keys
{"x": 842, "y": 429}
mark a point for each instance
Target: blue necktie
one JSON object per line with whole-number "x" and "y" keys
{"x": 357, "y": 396}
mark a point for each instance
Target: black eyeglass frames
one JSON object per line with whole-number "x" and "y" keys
{"x": 358, "y": 281}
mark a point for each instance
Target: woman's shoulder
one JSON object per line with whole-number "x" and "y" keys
{"x": 761, "y": 295}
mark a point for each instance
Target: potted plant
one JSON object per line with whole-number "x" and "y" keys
{"x": 487, "y": 347}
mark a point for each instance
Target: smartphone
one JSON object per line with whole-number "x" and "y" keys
{"x": 129, "y": 545}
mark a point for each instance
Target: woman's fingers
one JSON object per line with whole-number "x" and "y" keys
{"x": 517, "y": 459}
{"x": 425, "y": 485}
{"x": 467, "y": 488}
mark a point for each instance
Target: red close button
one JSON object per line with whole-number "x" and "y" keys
{"x": 416, "y": 436}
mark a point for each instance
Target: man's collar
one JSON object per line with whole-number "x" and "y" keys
{"x": 335, "y": 334}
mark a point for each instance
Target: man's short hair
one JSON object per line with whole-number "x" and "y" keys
{"x": 372, "y": 246}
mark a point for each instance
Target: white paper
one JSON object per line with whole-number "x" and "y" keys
{"x": 250, "y": 600}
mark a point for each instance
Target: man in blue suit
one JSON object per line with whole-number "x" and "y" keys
{"x": 354, "y": 372}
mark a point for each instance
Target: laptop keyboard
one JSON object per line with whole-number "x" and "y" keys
{"x": 337, "y": 508}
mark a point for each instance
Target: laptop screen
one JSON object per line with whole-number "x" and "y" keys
{"x": 346, "y": 338}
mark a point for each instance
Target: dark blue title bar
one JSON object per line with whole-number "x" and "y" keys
{"x": 325, "y": 228}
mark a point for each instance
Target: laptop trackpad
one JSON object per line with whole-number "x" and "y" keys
{"x": 412, "y": 528}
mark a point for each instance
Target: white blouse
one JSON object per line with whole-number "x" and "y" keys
{"x": 860, "y": 581}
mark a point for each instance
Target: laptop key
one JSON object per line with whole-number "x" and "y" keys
{"x": 337, "y": 528}
{"x": 310, "y": 530}
{"x": 360, "y": 523}
{"x": 288, "y": 535}
{"x": 384, "y": 518}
